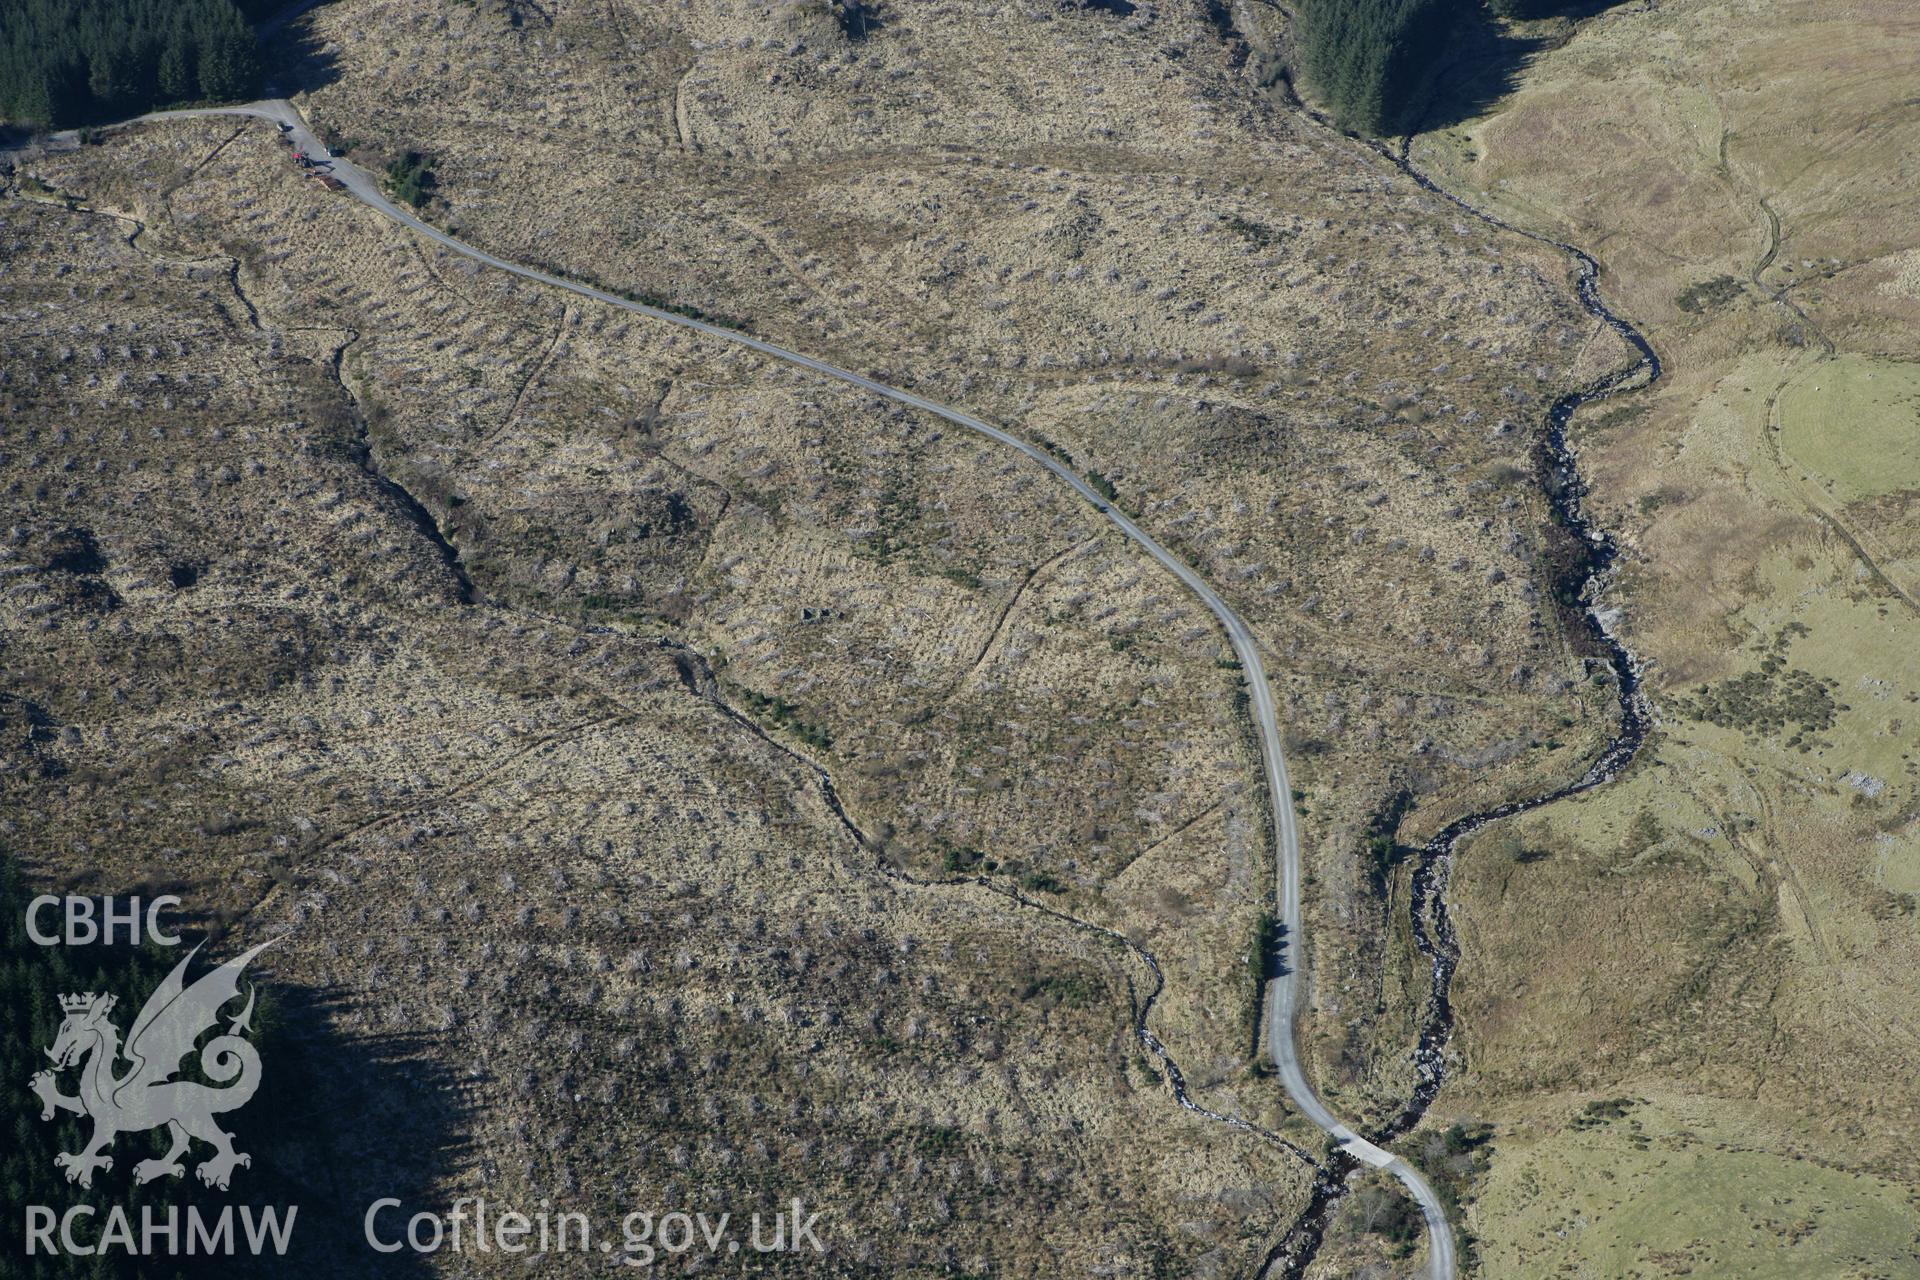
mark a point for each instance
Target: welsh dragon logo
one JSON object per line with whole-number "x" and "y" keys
{"x": 145, "y": 1095}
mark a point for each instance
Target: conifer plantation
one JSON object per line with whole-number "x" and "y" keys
{"x": 1365, "y": 59}
{"x": 68, "y": 62}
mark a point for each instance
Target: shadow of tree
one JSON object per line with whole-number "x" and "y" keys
{"x": 1484, "y": 63}
{"x": 345, "y": 1120}
{"x": 860, "y": 19}
{"x": 296, "y": 58}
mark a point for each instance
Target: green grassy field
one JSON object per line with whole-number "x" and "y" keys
{"x": 1662, "y": 1190}
{"x": 1854, "y": 426}
{"x": 1729, "y": 930}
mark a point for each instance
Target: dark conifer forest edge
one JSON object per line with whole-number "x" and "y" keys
{"x": 77, "y": 62}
